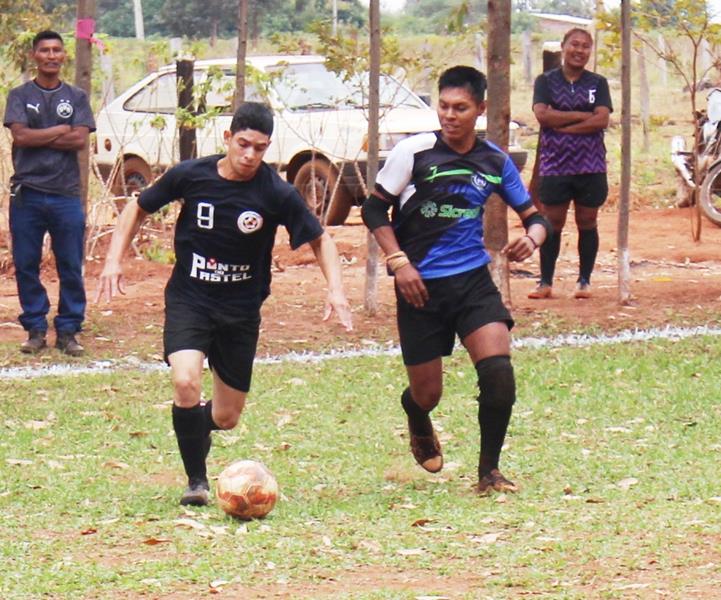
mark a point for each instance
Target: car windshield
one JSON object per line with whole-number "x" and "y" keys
{"x": 312, "y": 86}
{"x": 295, "y": 87}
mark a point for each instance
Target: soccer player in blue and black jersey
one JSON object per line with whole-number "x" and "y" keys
{"x": 437, "y": 185}
{"x": 232, "y": 207}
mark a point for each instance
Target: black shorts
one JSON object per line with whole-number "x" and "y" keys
{"x": 228, "y": 340}
{"x": 459, "y": 304}
{"x": 590, "y": 190}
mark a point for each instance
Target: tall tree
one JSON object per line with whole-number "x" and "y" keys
{"x": 374, "y": 22}
{"x": 499, "y": 114}
{"x": 239, "y": 95}
{"x": 83, "y": 79}
{"x": 624, "y": 268}
{"x": 694, "y": 30}
{"x": 19, "y": 21}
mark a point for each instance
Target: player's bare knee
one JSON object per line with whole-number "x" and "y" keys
{"x": 496, "y": 382}
{"x": 427, "y": 398}
{"x": 226, "y": 420}
{"x": 187, "y": 390}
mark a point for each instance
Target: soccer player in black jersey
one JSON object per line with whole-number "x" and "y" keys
{"x": 438, "y": 184}
{"x": 224, "y": 236}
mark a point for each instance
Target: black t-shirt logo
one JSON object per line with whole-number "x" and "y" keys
{"x": 64, "y": 109}
{"x": 249, "y": 221}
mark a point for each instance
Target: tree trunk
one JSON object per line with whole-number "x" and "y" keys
{"x": 374, "y": 18}
{"x": 499, "y": 114}
{"x": 186, "y": 134}
{"x": 527, "y": 55}
{"x": 138, "y": 18}
{"x": 239, "y": 95}
{"x": 624, "y": 271}
{"x": 83, "y": 79}
{"x": 643, "y": 95}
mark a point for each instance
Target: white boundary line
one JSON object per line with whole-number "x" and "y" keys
{"x": 569, "y": 340}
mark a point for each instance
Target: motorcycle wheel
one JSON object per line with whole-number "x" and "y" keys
{"x": 710, "y": 196}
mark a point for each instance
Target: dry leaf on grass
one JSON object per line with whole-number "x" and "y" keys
{"x": 153, "y": 541}
{"x": 116, "y": 464}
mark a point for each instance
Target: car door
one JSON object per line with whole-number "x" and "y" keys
{"x": 148, "y": 126}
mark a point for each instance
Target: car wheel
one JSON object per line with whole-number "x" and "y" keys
{"x": 316, "y": 181}
{"x": 136, "y": 176}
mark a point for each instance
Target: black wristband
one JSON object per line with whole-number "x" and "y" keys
{"x": 538, "y": 219}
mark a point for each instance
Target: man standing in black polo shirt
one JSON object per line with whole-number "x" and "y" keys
{"x": 49, "y": 121}
{"x": 232, "y": 207}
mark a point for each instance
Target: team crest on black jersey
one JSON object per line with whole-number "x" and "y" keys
{"x": 64, "y": 109}
{"x": 249, "y": 221}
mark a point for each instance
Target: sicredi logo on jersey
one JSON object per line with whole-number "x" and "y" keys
{"x": 210, "y": 270}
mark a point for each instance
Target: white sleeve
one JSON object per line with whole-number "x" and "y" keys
{"x": 396, "y": 174}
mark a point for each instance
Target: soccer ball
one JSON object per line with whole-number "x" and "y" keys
{"x": 247, "y": 489}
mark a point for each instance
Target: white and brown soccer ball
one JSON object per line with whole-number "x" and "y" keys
{"x": 247, "y": 489}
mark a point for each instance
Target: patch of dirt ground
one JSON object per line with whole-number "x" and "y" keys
{"x": 674, "y": 280}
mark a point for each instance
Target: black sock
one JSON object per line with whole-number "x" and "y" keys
{"x": 418, "y": 420}
{"x": 190, "y": 430}
{"x": 494, "y": 423}
{"x": 587, "y": 251}
{"x": 497, "y": 385}
{"x": 550, "y": 249}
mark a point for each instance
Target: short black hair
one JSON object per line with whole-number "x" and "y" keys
{"x": 253, "y": 115}
{"x": 47, "y": 35}
{"x": 573, "y": 30}
{"x": 462, "y": 76}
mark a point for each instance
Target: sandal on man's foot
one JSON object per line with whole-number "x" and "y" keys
{"x": 426, "y": 450}
{"x": 495, "y": 481}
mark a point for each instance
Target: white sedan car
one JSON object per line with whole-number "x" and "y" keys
{"x": 320, "y": 136}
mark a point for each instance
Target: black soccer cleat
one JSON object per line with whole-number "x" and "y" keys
{"x": 196, "y": 494}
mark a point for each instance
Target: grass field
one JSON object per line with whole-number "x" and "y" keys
{"x": 616, "y": 448}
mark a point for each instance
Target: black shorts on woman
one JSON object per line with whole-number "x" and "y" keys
{"x": 588, "y": 189}
{"x": 457, "y": 305}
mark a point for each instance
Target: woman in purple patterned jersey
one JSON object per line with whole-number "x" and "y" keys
{"x": 572, "y": 106}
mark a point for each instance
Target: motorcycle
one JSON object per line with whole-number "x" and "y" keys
{"x": 706, "y": 158}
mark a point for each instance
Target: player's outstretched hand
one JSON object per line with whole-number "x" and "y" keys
{"x": 519, "y": 249}
{"x": 411, "y": 285}
{"x": 337, "y": 303}
{"x": 110, "y": 283}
